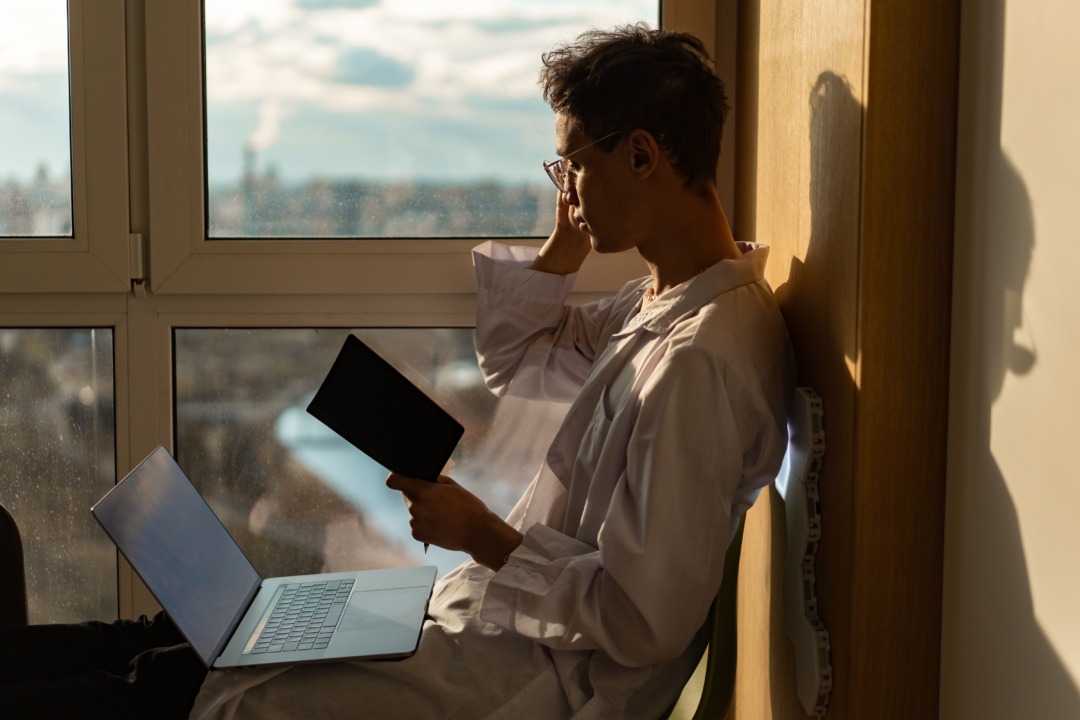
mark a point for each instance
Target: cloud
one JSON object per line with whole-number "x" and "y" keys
{"x": 369, "y": 68}
{"x": 516, "y": 25}
{"x": 384, "y": 145}
{"x": 504, "y": 105}
{"x": 445, "y": 87}
{"x": 33, "y": 40}
{"x": 335, "y": 4}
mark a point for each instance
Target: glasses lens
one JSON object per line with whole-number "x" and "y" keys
{"x": 560, "y": 174}
{"x": 554, "y": 171}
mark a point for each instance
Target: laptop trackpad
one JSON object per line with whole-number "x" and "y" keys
{"x": 386, "y": 619}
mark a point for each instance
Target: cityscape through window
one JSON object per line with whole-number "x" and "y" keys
{"x": 385, "y": 118}
{"x": 58, "y": 444}
{"x": 295, "y": 495}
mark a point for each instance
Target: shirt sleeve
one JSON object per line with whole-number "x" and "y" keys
{"x": 643, "y": 593}
{"x": 530, "y": 343}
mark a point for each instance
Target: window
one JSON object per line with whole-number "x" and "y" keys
{"x": 63, "y": 149}
{"x": 353, "y": 118}
{"x": 262, "y": 236}
{"x": 57, "y": 439}
{"x": 297, "y": 497}
{"x": 330, "y": 121}
{"x": 35, "y": 152}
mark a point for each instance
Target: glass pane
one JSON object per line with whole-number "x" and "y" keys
{"x": 297, "y": 497}
{"x": 57, "y": 441}
{"x": 391, "y": 118}
{"x": 35, "y": 145}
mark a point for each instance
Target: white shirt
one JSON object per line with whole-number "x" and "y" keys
{"x": 678, "y": 420}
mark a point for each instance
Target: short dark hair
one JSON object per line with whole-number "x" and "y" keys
{"x": 636, "y": 77}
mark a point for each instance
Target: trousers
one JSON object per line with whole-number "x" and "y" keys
{"x": 125, "y": 669}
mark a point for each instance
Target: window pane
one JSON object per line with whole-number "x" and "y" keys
{"x": 57, "y": 441}
{"x": 399, "y": 118}
{"x": 35, "y": 145}
{"x": 298, "y": 498}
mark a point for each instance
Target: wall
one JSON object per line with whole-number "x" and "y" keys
{"x": 846, "y": 168}
{"x": 1011, "y": 631}
{"x": 800, "y": 101}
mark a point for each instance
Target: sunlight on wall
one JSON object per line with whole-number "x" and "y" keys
{"x": 1011, "y": 634}
{"x": 1034, "y": 420}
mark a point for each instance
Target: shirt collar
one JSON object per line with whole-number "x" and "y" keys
{"x": 671, "y": 306}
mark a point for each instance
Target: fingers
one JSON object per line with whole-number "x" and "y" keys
{"x": 562, "y": 214}
{"x": 404, "y": 483}
{"x": 407, "y": 484}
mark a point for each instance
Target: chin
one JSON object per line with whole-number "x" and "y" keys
{"x": 600, "y": 246}
{"x": 607, "y": 248}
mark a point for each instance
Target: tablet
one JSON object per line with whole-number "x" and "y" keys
{"x": 365, "y": 400}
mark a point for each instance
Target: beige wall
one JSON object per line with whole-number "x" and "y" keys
{"x": 1011, "y": 608}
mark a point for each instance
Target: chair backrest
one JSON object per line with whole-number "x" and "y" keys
{"x": 13, "y": 609}
{"x": 708, "y": 695}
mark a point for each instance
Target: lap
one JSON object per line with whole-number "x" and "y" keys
{"x": 463, "y": 667}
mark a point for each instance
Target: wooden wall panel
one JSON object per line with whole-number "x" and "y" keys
{"x": 846, "y": 110}
{"x": 800, "y": 81}
{"x": 904, "y": 321}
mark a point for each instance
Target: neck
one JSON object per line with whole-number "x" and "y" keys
{"x": 694, "y": 236}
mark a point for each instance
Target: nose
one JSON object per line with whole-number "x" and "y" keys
{"x": 570, "y": 193}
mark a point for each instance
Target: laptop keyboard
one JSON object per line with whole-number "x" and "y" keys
{"x": 304, "y": 617}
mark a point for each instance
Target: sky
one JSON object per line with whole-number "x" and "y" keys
{"x": 33, "y": 88}
{"x": 371, "y": 89}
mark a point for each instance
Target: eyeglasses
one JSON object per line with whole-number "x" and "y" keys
{"x": 559, "y": 170}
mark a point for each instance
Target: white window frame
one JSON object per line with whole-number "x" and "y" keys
{"x": 185, "y": 261}
{"x": 147, "y": 178}
{"x": 95, "y": 258}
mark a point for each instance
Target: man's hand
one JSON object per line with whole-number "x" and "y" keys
{"x": 567, "y": 247}
{"x": 445, "y": 514}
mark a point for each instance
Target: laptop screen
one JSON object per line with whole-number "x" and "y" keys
{"x": 180, "y": 549}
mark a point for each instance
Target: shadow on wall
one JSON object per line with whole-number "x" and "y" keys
{"x": 997, "y": 661}
{"x": 817, "y": 301}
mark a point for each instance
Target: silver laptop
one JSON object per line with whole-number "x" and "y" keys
{"x": 230, "y": 615}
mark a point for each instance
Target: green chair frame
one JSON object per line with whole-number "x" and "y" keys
{"x": 707, "y": 695}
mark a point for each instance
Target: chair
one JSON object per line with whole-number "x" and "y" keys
{"x": 708, "y": 693}
{"x": 13, "y": 610}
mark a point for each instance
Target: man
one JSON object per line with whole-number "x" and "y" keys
{"x": 679, "y": 385}
{"x": 589, "y": 600}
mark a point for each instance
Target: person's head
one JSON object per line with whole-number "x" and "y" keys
{"x": 634, "y": 77}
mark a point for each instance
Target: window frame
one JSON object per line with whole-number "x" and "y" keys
{"x": 185, "y": 261}
{"x": 136, "y": 133}
{"x": 95, "y": 258}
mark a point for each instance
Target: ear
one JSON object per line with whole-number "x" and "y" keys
{"x": 645, "y": 154}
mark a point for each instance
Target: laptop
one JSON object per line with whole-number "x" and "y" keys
{"x": 233, "y": 617}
